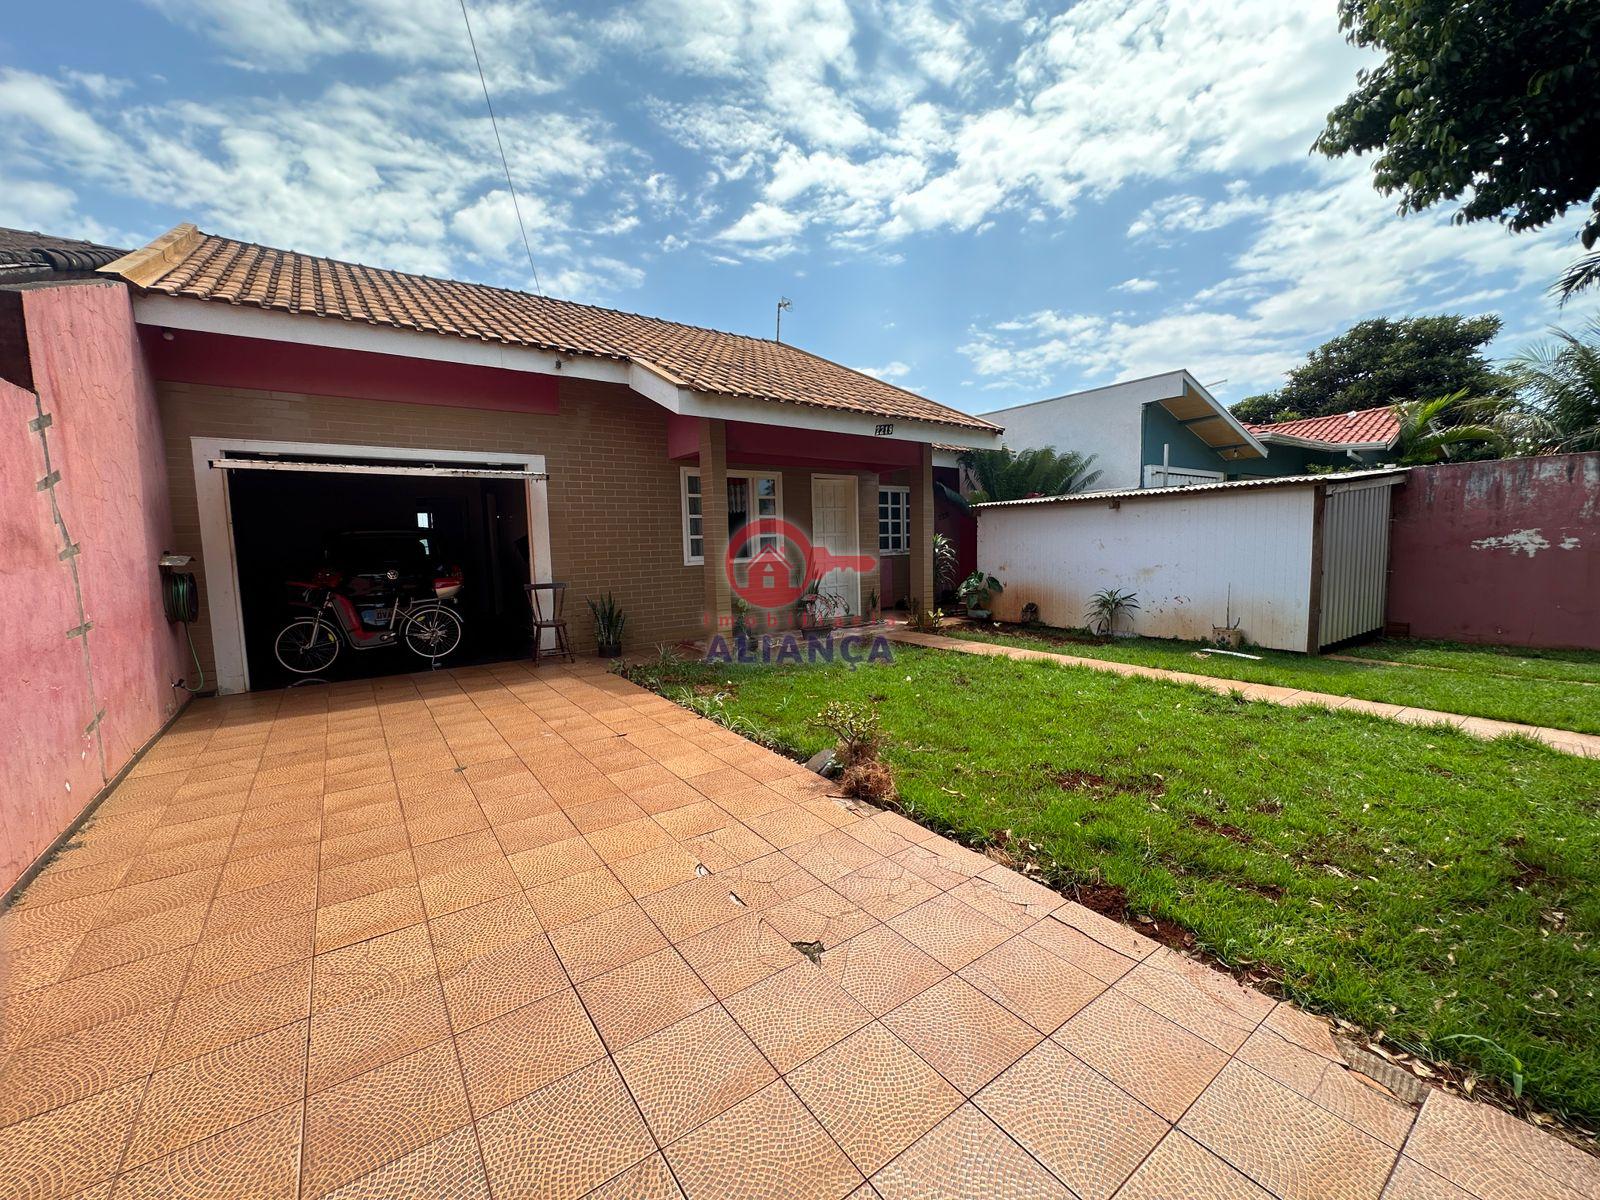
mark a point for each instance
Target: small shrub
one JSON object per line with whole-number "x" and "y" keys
{"x": 857, "y": 729}
{"x": 925, "y": 620}
{"x": 1106, "y": 606}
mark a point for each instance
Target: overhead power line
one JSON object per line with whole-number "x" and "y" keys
{"x": 495, "y": 125}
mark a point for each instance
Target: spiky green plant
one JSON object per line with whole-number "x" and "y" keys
{"x": 1443, "y": 428}
{"x": 1558, "y": 393}
{"x": 1007, "y": 474}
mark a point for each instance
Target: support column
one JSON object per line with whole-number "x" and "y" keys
{"x": 921, "y": 584}
{"x": 714, "y": 507}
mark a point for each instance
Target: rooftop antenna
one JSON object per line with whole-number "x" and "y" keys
{"x": 784, "y": 305}
{"x": 511, "y": 187}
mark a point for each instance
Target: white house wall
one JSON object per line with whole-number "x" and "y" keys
{"x": 1107, "y": 423}
{"x": 1188, "y": 561}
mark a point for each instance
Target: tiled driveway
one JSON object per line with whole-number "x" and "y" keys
{"x": 515, "y": 934}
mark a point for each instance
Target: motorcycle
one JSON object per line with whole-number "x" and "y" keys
{"x": 368, "y": 611}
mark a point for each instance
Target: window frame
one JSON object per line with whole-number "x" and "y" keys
{"x": 752, "y": 480}
{"x": 904, "y": 492}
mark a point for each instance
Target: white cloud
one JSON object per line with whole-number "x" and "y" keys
{"x": 891, "y": 372}
{"x": 1321, "y": 259}
{"x": 763, "y": 223}
{"x": 1136, "y": 285}
{"x": 1169, "y": 218}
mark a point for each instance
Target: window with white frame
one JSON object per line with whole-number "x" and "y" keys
{"x": 750, "y": 497}
{"x": 894, "y": 520}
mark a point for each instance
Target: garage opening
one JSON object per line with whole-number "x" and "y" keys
{"x": 382, "y": 526}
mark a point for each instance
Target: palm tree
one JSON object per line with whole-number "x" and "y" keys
{"x": 1007, "y": 474}
{"x": 1434, "y": 430}
{"x": 1558, "y": 392}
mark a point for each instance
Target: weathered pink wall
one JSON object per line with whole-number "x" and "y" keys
{"x": 1505, "y": 552}
{"x": 104, "y": 437}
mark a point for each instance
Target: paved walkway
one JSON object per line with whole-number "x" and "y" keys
{"x": 1581, "y": 744}
{"x": 501, "y": 933}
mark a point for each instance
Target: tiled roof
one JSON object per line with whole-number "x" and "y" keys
{"x": 188, "y": 263}
{"x": 26, "y": 254}
{"x": 1363, "y": 427}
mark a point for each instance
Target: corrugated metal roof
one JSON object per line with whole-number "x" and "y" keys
{"x": 1199, "y": 488}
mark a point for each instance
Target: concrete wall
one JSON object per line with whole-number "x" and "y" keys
{"x": 1107, "y": 423}
{"x": 77, "y": 705}
{"x": 1500, "y": 552}
{"x": 1188, "y": 559}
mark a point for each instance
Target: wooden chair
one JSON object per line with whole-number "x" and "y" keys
{"x": 548, "y": 600}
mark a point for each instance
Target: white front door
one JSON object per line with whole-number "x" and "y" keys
{"x": 836, "y": 526}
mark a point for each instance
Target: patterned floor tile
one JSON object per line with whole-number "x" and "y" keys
{"x": 1203, "y": 1001}
{"x": 1412, "y": 1181}
{"x": 47, "y": 1075}
{"x": 530, "y": 1047}
{"x": 355, "y": 1038}
{"x": 766, "y": 1146}
{"x": 259, "y": 1159}
{"x": 373, "y": 1119}
{"x": 565, "y": 1140}
{"x": 1082, "y": 951}
{"x": 1089, "y": 1133}
{"x": 1495, "y": 1156}
{"x": 637, "y": 999}
{"x": 881, "y": 970}
{"x": 557, "y": 860}
{"x": 605, "y": 941}
{"x": 796, "y": 1014}
{"x": 66, "y": 1149}
{"x": 729, "y": 958}
{"x": 91, "y": 1000}
{"x": 492, "y": 959}
{"x": 563, "y": 901}
{"x": 193, "y": 1100}
{"x": 1142, "y": 1052}
{"x": 953, "y": 932}
{"x": 447, "y": 1169}
{"x": 1040, "y": 987}
{"x": 874, "y": 1095}
{"x": 1181, "y": 1167}
{"x": 1290, "y": 1146}
{"x": 1365, "y": 1104}
{"x": 965, "y": 1035}
{"x": 691, "y": 1071}
{"x": 966, "y": 1157}
{"x": 650, "y": 1180}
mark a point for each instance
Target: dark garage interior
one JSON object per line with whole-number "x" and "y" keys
{"x": 288, "y": 524}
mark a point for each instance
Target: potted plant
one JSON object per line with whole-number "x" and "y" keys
{"x": 609, "y": 620}
{"x": 1106, "y": 606}
{"x": 975, "y": 591}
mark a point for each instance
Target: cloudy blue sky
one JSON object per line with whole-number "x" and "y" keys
{"x": 989, "y": 201}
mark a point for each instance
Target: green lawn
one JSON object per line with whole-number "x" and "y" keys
{"x": 1439, "y": 887}
{"x": 1556, "y": 688}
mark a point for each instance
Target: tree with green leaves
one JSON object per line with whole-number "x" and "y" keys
{"x": 1493, "y": 100}
{"x": 1007, "y": 474}
{"x": 1380, "y": 362}
{"x": 1446, "y": 427}
{"x": 1557, "y": 385}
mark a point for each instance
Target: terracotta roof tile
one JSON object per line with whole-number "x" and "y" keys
{"x": 1364, "y": 426}
{"x": 188, "y": 263}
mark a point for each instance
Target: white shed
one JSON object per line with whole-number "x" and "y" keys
{"x": 1299, "y": 562}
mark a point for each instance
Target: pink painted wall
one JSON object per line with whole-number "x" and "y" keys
{"x": 104, "y": 437}
{"x": 1501, "y": 552}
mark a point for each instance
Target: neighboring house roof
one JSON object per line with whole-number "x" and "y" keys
{"x": 1183, "y": 396}
{"x": 1265, "y": 481}
{"x": 27, "y": 255}
{"x": 188, "y": 263}
{"x": 1362, "y": 429}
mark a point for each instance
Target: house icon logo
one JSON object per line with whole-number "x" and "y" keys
{"x": 772, "y": 580}
{"x": 784, "y": 565}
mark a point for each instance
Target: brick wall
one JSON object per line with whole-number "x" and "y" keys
{"x": 614, "y": 510}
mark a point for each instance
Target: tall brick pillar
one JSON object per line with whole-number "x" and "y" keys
{"x": 921, "y": 585}
{"x": 714, "y": 504}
